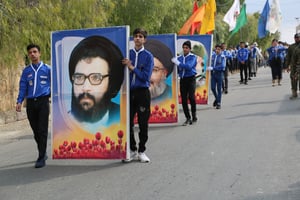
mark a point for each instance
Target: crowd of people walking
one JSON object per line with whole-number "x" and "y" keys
{"x": 246, "y": 59}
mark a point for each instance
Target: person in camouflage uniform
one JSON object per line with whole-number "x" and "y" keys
{"x": 291, "y": 68}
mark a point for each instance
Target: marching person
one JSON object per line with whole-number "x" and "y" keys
{"x": 140, "y": 65}
{"x": 275, "y": 58}
{"x": 253, "y": 57}
{"x": 228, "y": 57}
{"x": 186, "y": 64}
{"x": 35, "y": 85}
{"x": 217, "y": 75}
{"x": 295, "y": 65}
{"x": 242, "y": 57}
{"x": 292, "y": 69}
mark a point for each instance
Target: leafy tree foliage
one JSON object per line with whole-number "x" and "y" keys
{"x": 26, "y": 21}
{"x": 155, "y": 16}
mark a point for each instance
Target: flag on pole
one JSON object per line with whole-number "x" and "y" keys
{"x": 231, "y": 16}
{"x": 274, "y": 18}
{"x": 262, "y": 22}
{"x": 195, "y": 25}
{"x": 196, "y": 17}
{"x": 208, "y": 23}
{"x": 241, "y": 20}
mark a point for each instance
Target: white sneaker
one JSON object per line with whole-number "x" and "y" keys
{"x": 133, "y": 156}
{"x": 143, "y": 158}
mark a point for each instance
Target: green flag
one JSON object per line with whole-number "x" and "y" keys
{"x": 241, "y": 20}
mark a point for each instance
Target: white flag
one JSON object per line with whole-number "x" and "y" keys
{"x": 274, "y": 18}
{"x": 232, "y": 14}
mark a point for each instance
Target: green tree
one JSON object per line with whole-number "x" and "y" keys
{"x": 155, "y": 16}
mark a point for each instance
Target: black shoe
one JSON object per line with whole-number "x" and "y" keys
{"x": 188, "y": 121}
{"x": 185, "y": 123}
{"x": 195, "y": 119}
{"x": 215, "y": 103}
{"x": 218, "y": 106}
{"x": 226, "y": 91}
{"x": 241, "y": 81}
{"x": 41, "y": 162}
{"x": 246, "y": 83}
{"x": 249, "y": 79}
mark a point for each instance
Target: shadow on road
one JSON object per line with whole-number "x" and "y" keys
{"x": 25, "y": 173}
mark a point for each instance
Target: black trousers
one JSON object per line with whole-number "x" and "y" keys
{"x": 243, "y": 71}
{"x": 38, "y": 115}
{"x": 187, "y": 91}
{"x": 140, "y": 106}
{"x": 276, "y": 68}
{"x": 249, "y": 68}
{"x": 225, "y": 80}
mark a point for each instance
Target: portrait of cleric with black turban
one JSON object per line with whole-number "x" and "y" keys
{"x": 96, "y": 74}
{"x": 163, "y": 67}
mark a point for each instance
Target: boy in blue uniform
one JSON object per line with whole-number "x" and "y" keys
{"x": 228, "y": 58}
{"x": 35, "y": 85}
{"x": 217, "y": 75}
{"x": 275, "y": 60}
{"x": 242, "y": 57}
{"x": 140, "y": 66}
{"x": 186, "y": 64}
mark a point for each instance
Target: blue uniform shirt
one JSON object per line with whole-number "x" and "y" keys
{"x": 227, "y": 54}
{"x": 276, "y": 52}
{"x": 218, "y": 62}
{"x": 143, "y": 63}
{"x": 187, "y": 66}
{"x": 35, "y": 82}
{"x": 242, "y": 54}
{"x": 233, "y": 53}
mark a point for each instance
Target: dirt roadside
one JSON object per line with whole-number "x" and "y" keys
{"x": 13, "y": 130}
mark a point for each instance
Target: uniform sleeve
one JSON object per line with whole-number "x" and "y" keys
{"x": 223, "y": 64}
{"x": 238, "y": 56}
{"x": 22, "y": 87}
{"x": 50, "y": 78}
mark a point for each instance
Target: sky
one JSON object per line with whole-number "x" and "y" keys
{"x": 289, "y": 14}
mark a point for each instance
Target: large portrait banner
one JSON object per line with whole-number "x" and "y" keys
{"x": 163, "y": 82}
{"x": 89, "y": 93}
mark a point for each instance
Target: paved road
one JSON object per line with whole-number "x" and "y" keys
{"x": 248, "y": 150}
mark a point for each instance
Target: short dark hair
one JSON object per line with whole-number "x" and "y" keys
{"x": 30, "y": 46}
{"x": 99, "y": 46}
{"x": 160, "y": 51}
{"x": 140, "y": 31}
{"x": 219, "y": 46}
{"x": 188, "y": 44}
